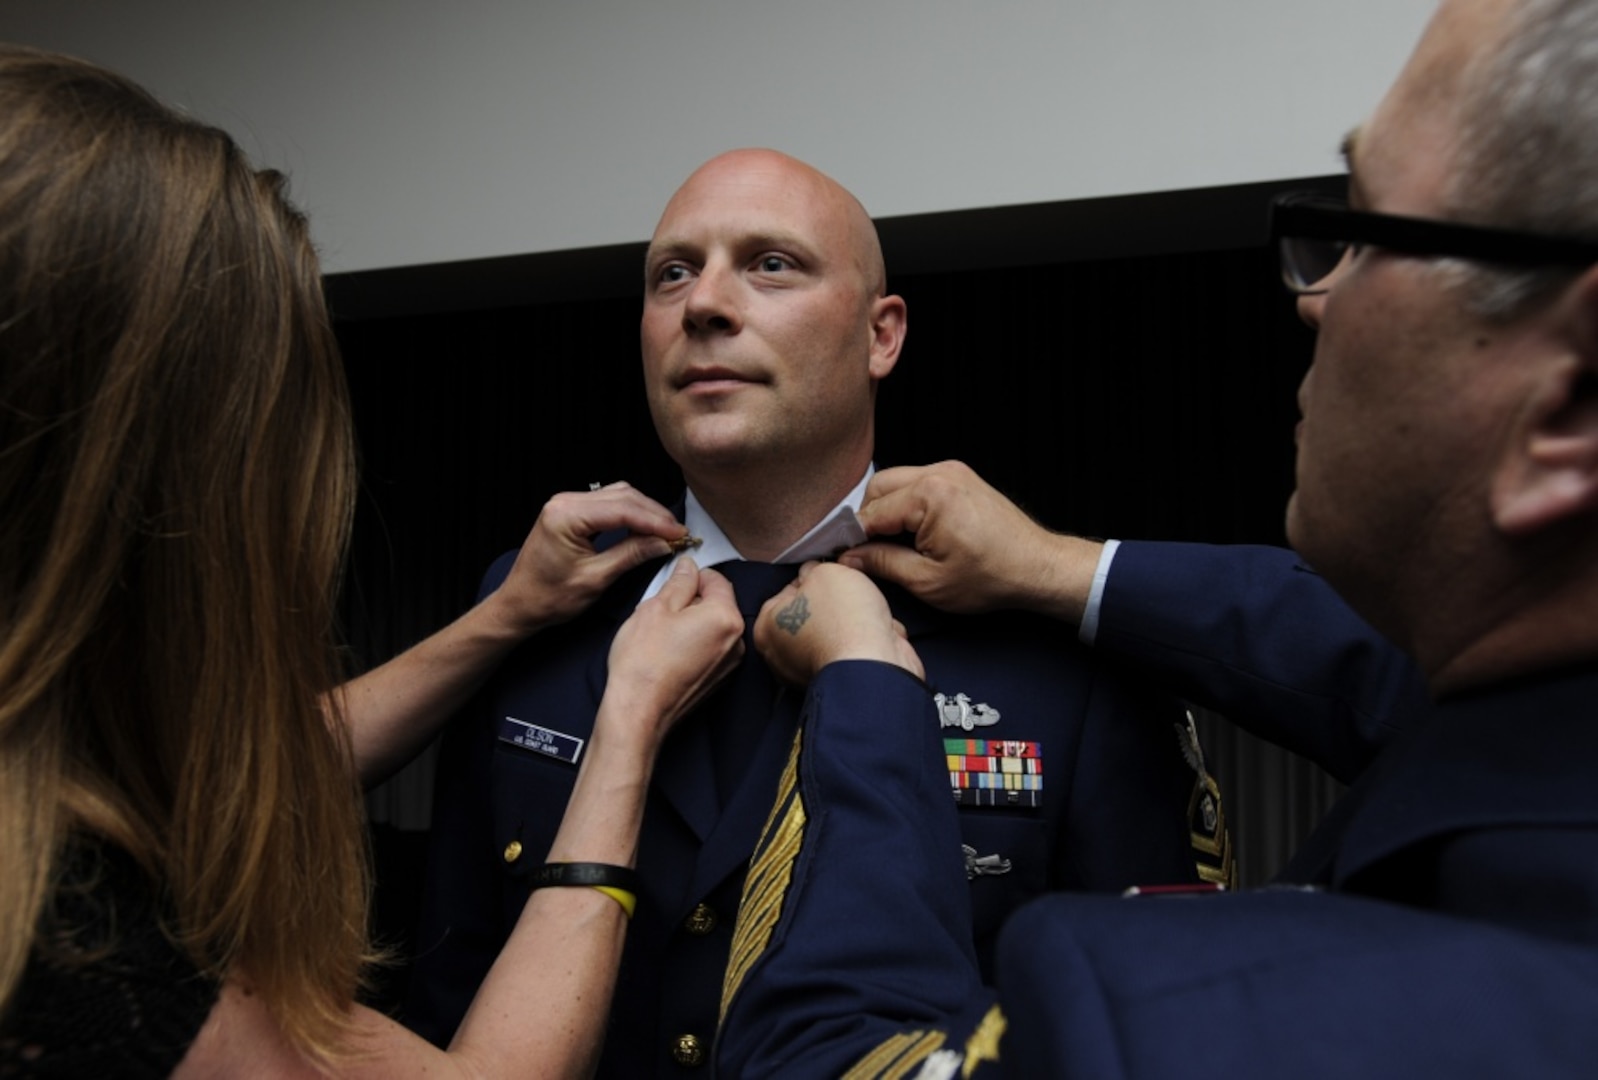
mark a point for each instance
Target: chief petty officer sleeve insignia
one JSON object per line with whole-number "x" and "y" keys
{"x": 770, "y": 874}
{"x": 1212, "y": 845}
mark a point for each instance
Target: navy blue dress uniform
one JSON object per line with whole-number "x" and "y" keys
{"x": 1446, "y": 923}
{"x": 1068, "y": 777}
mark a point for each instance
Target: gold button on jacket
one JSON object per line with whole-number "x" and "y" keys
{"x": 700, "y": 921}
{"x": 688, "y": 1050}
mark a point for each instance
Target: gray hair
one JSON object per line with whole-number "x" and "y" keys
{"x": 1528, "y": 149}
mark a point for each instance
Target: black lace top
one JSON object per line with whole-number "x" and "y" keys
{"x": 105, "y": 993}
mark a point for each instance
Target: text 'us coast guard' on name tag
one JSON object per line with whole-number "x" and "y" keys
{"x": 542, "y": 740}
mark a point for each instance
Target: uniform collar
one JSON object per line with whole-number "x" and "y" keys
{"x": 837, "y": 530}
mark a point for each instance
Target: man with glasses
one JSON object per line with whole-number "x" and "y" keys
{"x": 1443, "y": 919}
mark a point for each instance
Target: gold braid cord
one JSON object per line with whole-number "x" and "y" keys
{"x": 770, "y": 874}
{"x": 897, "y": 1056}
{"x": 765, "y": 889}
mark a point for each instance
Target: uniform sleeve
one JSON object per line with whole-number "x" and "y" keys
{"x": 853, "y": 951}
{"x": 1253, "y": 633}
{"x": 459, "y": 931}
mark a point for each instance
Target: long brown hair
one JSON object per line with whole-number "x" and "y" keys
{"x": 176, "y": 479}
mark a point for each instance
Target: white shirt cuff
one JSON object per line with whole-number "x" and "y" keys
{"x": 1090, "y": 615}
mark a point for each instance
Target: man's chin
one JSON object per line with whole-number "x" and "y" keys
{"x": 710, "y": 455}
{"x": 1292, "y": 521}
{"x": 1301, "y": 533}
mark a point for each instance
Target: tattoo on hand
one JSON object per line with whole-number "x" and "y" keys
{"x": 792, "y": 617}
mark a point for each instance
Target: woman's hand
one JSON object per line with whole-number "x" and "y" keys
{"x": 674, "y": 649}
{"x": 558, "y": 572}
{"x": 829, "y": 613}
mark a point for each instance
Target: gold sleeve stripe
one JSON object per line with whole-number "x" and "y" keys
{"x": 762, "y": 902}
{"x": 896, "y": 1056}
{"x": 771, "y": 889}
{"x": 770, "y": 874}
{"x": 785, "y": 784}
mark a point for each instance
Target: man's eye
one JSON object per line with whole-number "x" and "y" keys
{"x": 671, "y": 274}
{"x": 771, "y": 264}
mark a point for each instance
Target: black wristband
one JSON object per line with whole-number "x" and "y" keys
{"x": 587, "y": 874}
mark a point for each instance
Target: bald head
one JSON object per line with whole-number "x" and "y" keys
{"x": 766, "y": 328}
{"x": 847, "y": 228}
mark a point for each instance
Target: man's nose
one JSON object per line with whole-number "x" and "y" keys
{"x": 712, "y": 302}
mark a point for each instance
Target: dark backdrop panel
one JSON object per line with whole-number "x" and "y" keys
{"x": 467, "y": 423}
{"x": 1149, "y": 397}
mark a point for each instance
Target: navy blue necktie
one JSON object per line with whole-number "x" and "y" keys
{"x": 740, "y": 709}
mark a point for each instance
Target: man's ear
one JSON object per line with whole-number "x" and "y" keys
{"x": 888, "y": 327}
{"x": 1550, "y": 471}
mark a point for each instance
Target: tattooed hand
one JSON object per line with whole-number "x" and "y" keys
{"x": 793, "y": 617}
{"x": 830, "y": 613}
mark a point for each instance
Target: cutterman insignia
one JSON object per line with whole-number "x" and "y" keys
{"x": 959, "y": 712}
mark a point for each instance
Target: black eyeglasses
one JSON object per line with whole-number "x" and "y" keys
{"x": 1314, "y": 232}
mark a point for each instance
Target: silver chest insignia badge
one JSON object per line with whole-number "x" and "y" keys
{"x": 959, "y": 712}
{"x": 982, "y": 865}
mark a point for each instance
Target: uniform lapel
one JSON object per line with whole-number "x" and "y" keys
{"x": 682, "y": 774}
{"x": 685, "y": 778}
{"x": 728, "y": 847}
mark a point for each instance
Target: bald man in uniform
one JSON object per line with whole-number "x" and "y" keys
{"x": 766, "y": 328}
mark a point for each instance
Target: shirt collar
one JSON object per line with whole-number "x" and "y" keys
{"x": 838, "y": 530}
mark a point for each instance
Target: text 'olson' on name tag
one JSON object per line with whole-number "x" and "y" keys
{"x": 542, "y": 740}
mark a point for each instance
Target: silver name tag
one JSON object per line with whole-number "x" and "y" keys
{"x": 542, "y": 740}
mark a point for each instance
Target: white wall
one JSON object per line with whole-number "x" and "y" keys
{"x": 420, "y": 131}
